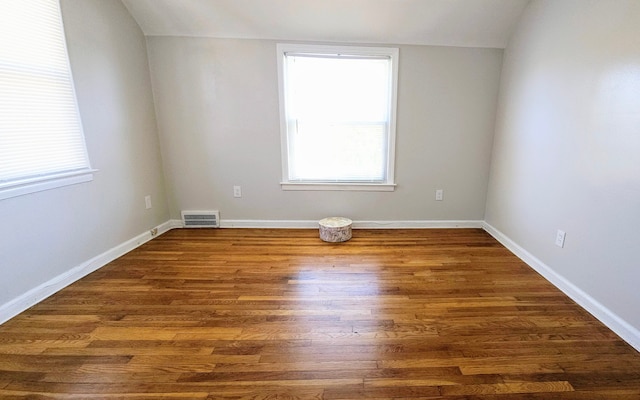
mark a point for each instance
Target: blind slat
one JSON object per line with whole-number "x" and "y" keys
{"x": 40, "y": 128}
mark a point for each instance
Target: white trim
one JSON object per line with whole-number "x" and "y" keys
{"x": 310, "y": 224}
{"x": 39, "y": 184}
{"x": 393, "y": 53}
{"x": 284, "y": 141}
{"x": 614, "y": 322}
{"x": 174, "y": 224}
{"x": 261, "y": 223}
{"x": 166, "y": 227}
{"x": 433, "y": 224}
{"x": 369, "y": 187}
{"x": 41, "y": 292}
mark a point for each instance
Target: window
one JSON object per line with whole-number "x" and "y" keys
{"x": 41, "y": 140}
{"x": 337, "y": 113}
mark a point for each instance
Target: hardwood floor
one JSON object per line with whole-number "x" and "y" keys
{"x": 278, "y": 314}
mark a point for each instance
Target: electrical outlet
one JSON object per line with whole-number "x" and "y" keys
{"x": 237, "y": 191}
{"x": 560, "y": 235}
{"x": 439, "y": 194}
{"x": 147, "y": 201}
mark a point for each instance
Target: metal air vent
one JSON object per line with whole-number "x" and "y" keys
{"x": 201, "y": 219}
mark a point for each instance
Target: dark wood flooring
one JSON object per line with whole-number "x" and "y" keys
{"x": 278, "y": 314}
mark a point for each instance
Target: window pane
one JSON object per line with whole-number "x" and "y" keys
{"x": 338, "y": 89}
{"x": 40, "y": 129}
{"x": 339, "y": 152}
{"x": 338, "y": 118}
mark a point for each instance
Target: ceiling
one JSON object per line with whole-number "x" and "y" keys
{"x": 467, "y": 23}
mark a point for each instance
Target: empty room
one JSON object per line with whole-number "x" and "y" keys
{"x": 304, "y": 199}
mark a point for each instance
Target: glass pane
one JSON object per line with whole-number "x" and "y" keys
{"x": 338, "y": 110}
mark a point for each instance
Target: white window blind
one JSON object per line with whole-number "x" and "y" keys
{"x": 338, "y": 109}
{"x": 41, "y": 134}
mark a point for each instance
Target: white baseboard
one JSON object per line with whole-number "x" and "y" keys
{"x": 174, "y": 224}
{"x": 618, "y": 325}
{"x": 261, "y": 223}
{"x": 417, "y": 224}
{"x": 311, "y": 224}
{"x": 39, "y": 293}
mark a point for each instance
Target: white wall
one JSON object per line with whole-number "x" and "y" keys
{"x": 217, "y": 107}
{"x": 45, "y": 234}
{"x": 567, "y": 146}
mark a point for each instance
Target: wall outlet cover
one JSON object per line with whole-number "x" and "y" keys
{"x": 560, "y": 235}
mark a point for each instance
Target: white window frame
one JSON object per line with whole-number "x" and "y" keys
{"x": 393, "y": 54}
{"x": 49, "y": 180}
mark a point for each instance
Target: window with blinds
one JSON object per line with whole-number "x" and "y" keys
{"x": 337, "y": 115}
{"x": 41, "y": 139}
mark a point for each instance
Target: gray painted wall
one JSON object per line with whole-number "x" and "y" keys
{"x": 218, "y": 118}
{"x": 567, "y": 145}
{"x": 45, "y": 234}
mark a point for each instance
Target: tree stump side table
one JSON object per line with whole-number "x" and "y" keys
{"x": 335, "y": 229}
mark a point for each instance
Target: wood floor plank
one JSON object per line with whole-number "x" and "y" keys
{"x": 501, "y": 388}
{"x": 279, "y": 314}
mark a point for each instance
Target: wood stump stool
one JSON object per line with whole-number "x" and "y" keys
{"x": 335, "y": 229}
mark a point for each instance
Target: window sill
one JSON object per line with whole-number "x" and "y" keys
{"x": 19, "y": 188}
{"x": 367, "y": 187}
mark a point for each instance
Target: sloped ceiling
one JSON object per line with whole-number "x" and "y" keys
{"x": 468, "y": 23}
